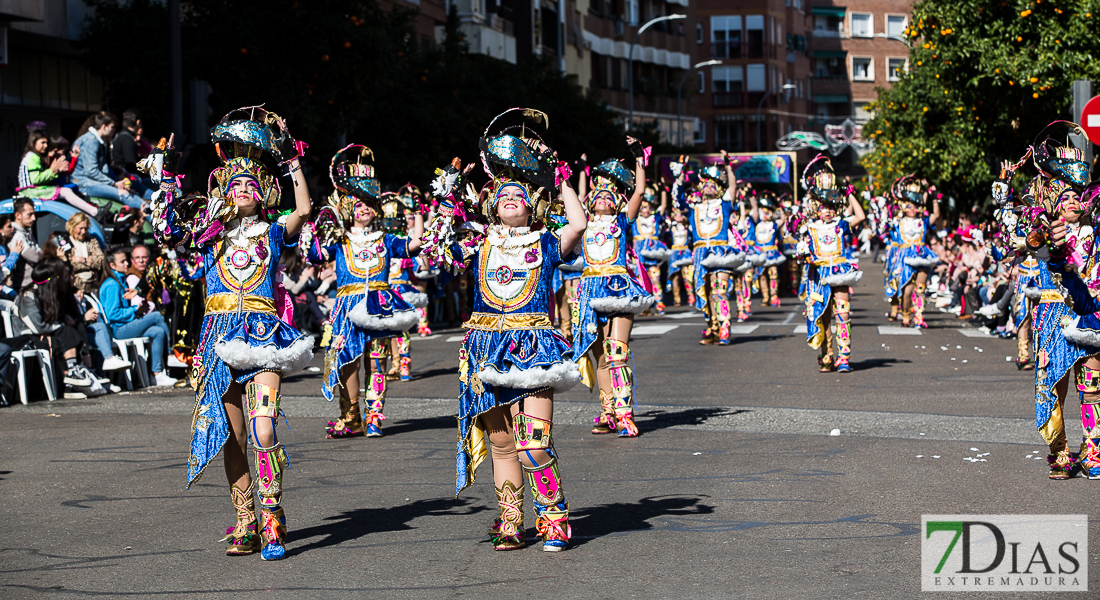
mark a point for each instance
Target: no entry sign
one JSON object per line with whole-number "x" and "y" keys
{"x": 1090, "y": 119}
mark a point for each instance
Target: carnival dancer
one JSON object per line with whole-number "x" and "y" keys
{"x": 1026, "y": 294}
{"x": 680, "y": 271}
{"x": 512, "y": 360}
{"x": 367, "y": 311}
{"x": 913, "y": 257}
{"x": 608, "y": 298}
{"x": 826, "y": 244}
{"x": 399, "y": 212}
{"x": 788, "y": 244}
{"x": 654, "y": 253}
{"x": 710, "y": 204}
{"x": 243, "y": 343}
{"x": 743, "y": 236}
{"x": 767, "y": 226}
{"x": 420, "y": 271}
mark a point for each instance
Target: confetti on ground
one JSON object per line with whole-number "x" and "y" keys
{"x": 964, "y": 360}
{"x": 922, "y": 347}
{"x": 696, "y": 453}
{"x": 944, "y": 348}
{"x": 973, "y": 449}
{"x": 1008, "y": 359}
{"x": 952, "y": 358}
{"x": 834, "y": 432}
{"x": 958, "y": 347}
{"x": 315, "y": 369}
{"x": 922, "y": 434}
{"x": 920, "y": 456}
{"x": 935, "y": 456}
{"x": 1028, "y": 456}
{"x": 1038, "y": 458}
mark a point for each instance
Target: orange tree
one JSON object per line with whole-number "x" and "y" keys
{"x": 984, "y": 78}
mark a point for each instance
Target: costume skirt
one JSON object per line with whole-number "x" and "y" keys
{"x": 602, "y": 297}
{"x": 383, "y": 312}
{"x": 498, "y": 368}
{"x": 236, "y": 347}
{"x": 679, "y": 258}
{"x": 817, "y": 291}
{"x": 410, "y": 294}
{"x": 1053, "y": 326}
{"x": 913, "y": 259}
{"x": 713, "y": 259}
{"x": 652, "y": 252}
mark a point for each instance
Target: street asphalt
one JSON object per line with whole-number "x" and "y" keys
{"x": 754, "y": 476}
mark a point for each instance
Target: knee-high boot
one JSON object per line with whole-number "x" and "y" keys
{"x": 843, "y": 335}
{"x": 918, "y": 306}
{"x": 547, "y": 495}
{"x": 376, "y": 390}
{"x": 263, "y": 403}
{"x": 622, "y": 386}
{"x": 658, "y": 289}
{"x": 773, "y": 284}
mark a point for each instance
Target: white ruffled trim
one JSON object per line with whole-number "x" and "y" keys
{"x": 727, "y": 261}
{"x": 560, "y": 376}
{"x": 758, "y": 260}
{"x": 772, "y": 262}
{"x": 1081, "y": 337}
{"x": 239, "y": 354}
{"x": 427, "y": 274}
{"x": 683, "y": 262}
{"x": 849, "y": 278}
{"x": 918, "y": 262}
{"x": 635, "y": 304}
{"x": 661, "y": 254}
{"x": 399, "y": 321}
{"x": 416, "y": 299}
{"x": 1033, "y": 292}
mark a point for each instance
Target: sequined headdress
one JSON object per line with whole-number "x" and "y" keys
{"x": 250, "y": 143}
{"x": 515, "y": 155}
{"x": 1058, "y": 153}
{"x": 907, "y": 190}
{"x": 354, "y": 180}
{"x": 611, "y": 176}
{"x": 819, "y": 180}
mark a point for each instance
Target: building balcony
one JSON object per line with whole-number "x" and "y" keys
{"x": 490, "y": 39}
{"x": 725, "y": 50}
{"x": 729, "y": 99}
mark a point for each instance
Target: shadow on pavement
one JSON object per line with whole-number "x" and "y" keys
{"x": 411, "y": 425}
{"x": 418, "y": 375}
{"x": 661, "y": 419}
{"x": 354, "y": 524}
{"x": 620, "y": 517}
{"x": 871, "y": 363}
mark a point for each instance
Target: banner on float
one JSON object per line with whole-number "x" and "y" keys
{"x": 767, "y": 167}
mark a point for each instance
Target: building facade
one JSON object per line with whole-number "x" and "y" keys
{"x": 857, "y": 48}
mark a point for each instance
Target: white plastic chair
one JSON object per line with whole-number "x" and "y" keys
{"x": 20, "y": 357}
{"x": 140, "y": 356}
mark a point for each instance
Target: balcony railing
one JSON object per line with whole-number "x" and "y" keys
{"x": 724, "y": 50}
{"x": 729, "y": 99}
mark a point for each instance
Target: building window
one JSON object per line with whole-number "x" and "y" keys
{"x": 725, "y": 37}
{"x": 863, "y": 25}
{"x": 698, "y": 33}
{"x": 830, "y": 67}
{"x": 754, "y": 31}
{"x": 728, "y": 86}
{"x": 861, "y": 113}
{"x": 756, "y": 78}
{"x": 863, "y": 68}
{"x": 895, "y": 67}
{"x": 829, "y": 25}
{"x": 632, "y": 11}
{"x": 700, "y": 131}
{"x": 729, "y": 135}
{"x": 895, "y": 25}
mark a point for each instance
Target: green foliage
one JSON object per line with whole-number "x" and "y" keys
{"x": 340, "y": 66}
{"x": 984, "y": 78}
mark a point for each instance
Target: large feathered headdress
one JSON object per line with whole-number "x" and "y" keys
{"x": 515, "y": 155}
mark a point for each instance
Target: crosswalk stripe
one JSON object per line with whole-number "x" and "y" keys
{"x": 652, "y": 329}
{"x": 972, "y": 333}
{"x": 894, "y": 330}
{"x": 456, "y": 338}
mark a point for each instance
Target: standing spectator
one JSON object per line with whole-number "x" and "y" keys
{"x": 135, "y": 275}
{"x": 31, "y": 252}
{"x": 44, "y": 163}
{"x": 93, "y": 173}
{"x": 130, "y": 229}
{"x": 9, "y": 255}
{"x": 87, "y": 257}
{"x": 128, "y": 321}
{"x": 124, "y": 148}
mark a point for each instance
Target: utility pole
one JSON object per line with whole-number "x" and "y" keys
{"x": 175, "y": 60}
{"x": 1082, "y": 93}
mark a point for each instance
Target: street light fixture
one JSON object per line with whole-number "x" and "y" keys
{"x": 759, "y": 142}
{"x": 630, "y": 62}
{"x": 679, "y": 93}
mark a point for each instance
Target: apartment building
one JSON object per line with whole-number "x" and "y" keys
{"x": 857, "y": 47}
{"x": 761, "y": 89}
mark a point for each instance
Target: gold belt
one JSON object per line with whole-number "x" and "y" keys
{"x": 491, "y": 322}
{"x": 358, "y": 288}
{"x": 225, "y": 303}
{"x": 1048, "y": 296}
{"x": 710, "y": 243}
{"x": 604, "y": 271}
{"x": 680, "y": 247}
{"x": 831, "y": 262}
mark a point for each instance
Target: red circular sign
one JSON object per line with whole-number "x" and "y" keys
{"x": 1090, "y": 119}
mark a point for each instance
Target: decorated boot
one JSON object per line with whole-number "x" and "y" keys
{"x": 605, "y": 423}
{"x": 507, "y": 531}
{"x": 622, "y": 386}
{"x": 843, "y": 346}
{"x": 243, "y": 537}
{"x": 918, "y": 307}
{"x": 551, "y": 511}
{"x": 350, "y": 423}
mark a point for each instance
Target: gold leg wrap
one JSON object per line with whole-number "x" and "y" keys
{"x": 507, "y": 532}
{"x": 243, "y": 537}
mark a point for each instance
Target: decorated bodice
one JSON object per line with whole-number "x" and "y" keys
{"x": 514, "y": 269}
{"x": 680, "y": 235}
{"x": 244, "y": 257}
{"x": 605, "y": 241}
{"x": 828, "y": 241}
{"x": 364, "y": 257}
{"x": 710, "y": 220}
{"x": 767, "y": 235}
{"x": 910, "y": 232}
{"x": 646, "y": 228}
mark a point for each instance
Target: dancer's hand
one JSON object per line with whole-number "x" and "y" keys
{"x": 1056, "y": 233}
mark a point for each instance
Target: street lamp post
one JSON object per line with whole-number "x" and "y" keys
{"x": 679, "y": 93}
{"x": 630, "y": 63}
{"x": 760, "y": 105}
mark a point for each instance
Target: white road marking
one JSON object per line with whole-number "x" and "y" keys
{"x": 685, "y": 315}
{"x": 893, "y": 330}
{"x": 799, "y": 329}
{"x": 743, "y": 329}
{"x": 429, "y": 337}
{"x": 455, "y": 338}
{"x": 652, "y": 329}
{"x": 790, "y": 317}
{"x": 973, "y": 333}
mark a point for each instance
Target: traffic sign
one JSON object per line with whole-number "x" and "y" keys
{"x": 1090, "y": 119}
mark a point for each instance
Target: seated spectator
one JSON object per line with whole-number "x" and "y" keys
{"x": 23, "y": 209}
{"x": 43, "y": 169}
{"x": 87, "y": 257}
{"x": 39, "y": 311}
{"x": 135, "y": 275}
{"x": 128, "y": 321}
{"x": 93, "y": 173}
{"x": 130, "y": 229}
{"x": 9, "y": 255}
{"x": 124, "y": 148}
